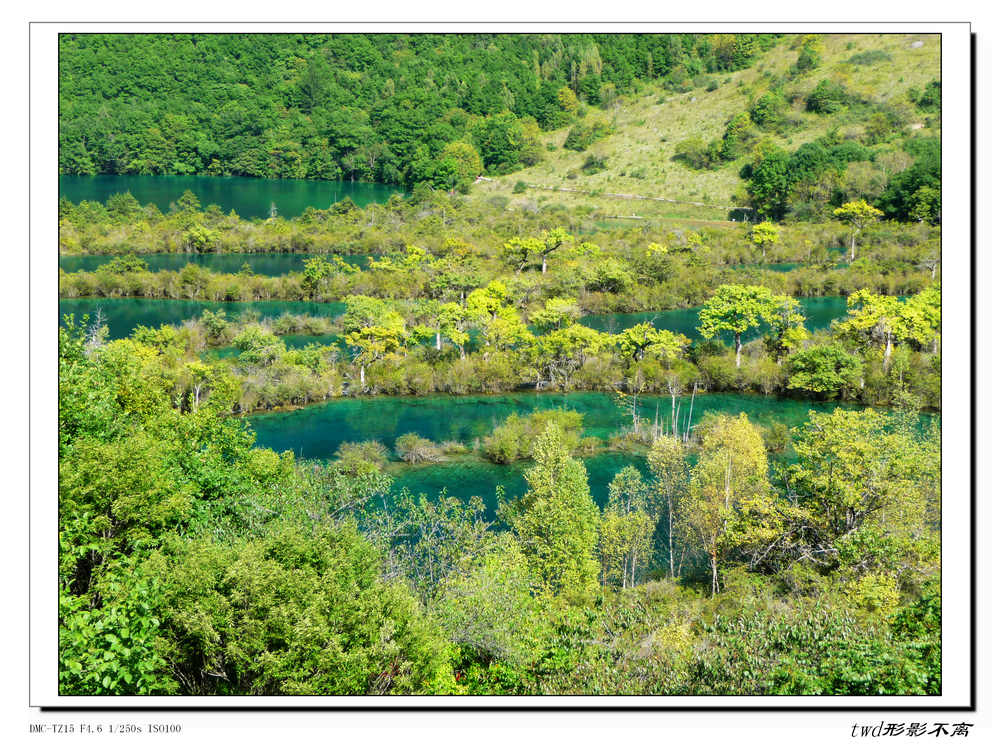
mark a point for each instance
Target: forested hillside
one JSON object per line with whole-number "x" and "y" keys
{"x": 386, "y": 107}
{"x": 786, "y": 125}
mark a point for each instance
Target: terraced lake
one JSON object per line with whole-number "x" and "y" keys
{"x": 249, "y": 197}
{"x": 122, "y": 314}
{"x": 317, "y": 431}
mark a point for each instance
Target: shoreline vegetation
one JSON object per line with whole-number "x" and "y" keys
{"x": 684, "y": 475}
{"x": 475, "y": 313}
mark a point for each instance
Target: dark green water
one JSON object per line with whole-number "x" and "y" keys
{"x": 265, "y": 264}
{"x": 247, "y": 196}
{"x": 819, "y": 312}
{"x": 123, "y": 314}
{"x": 316, "y": 432}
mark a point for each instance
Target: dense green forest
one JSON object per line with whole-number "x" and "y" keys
{"x": 731, "y": 556}
{"x": 386, "y": 107}
{"x": 444, "y": 109}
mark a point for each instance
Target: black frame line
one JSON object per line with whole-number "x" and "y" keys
{"x": 367, "y": 708}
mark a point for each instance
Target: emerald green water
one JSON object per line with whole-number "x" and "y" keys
{"x": 247, "y": 196}
{"x": 467, "y": 478}
{"x": 316, "y": 432}
{"x": 123, "y": 314}
{"x": 265, "y": 264}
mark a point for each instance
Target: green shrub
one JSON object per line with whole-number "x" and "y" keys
{"x": 584, "y": 133}
{"x": 513, "y": 440}
{"x": 361, "y": 458}
{"x": 413, "y": 449}
{"x": 869, "y": 57}
{"x": 827, "y": 97}
{"x": 593, "y": 164}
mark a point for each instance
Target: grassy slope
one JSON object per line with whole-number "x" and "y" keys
{"x": 649, "y": 126}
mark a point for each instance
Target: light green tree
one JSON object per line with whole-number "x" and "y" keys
{"x": 643, "y": 340}
{"x": 885, "y": 320}
{"x": 560, "y": 353}
{"x": 786, "y": 321}
{"x": 557, "y": 313}
{"x": 518, "y": 251}
{"x": 666, "y": 459}
{"x": 315, "y": 275}
{"x": 764, "y": 235}
{"x": 626, "y": 534}
{"x": 373, "y": 329}
{"x": 485, "y": 303}
{"x": 505, "y": 331}
{"x": 736, "y": 308}
{"x": 453, "y": 323}
{"x": 858, "y": 469}
{"x": 859, "y": 215}
{"x": 556, "y": 521}
{"x": 728, "y": 488}
{"x": 825, "y": 369}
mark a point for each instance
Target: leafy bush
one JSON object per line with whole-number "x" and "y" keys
{"x": 827, "y": 97}
{"x": 584, "y": 133}
{"x": 593, "y": 164}
{"x": 869, "y": 57}
{"x": 413, "y": 449}
{"x": 361, "y": 458}
{"x": 514, "y": 439}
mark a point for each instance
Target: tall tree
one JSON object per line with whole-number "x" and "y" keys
{"x": 736, "y": 308}
{"x": 626, "y": 533}
{"x": 764, "y": 235}
{"x": 670, "y": 470}
{"x": 556, "y": 521}
{"x": 859, "y": 215}
{"x": 728, "y": 487}
{"x": 373, "y": 329}
{"x": 886, "y": 320}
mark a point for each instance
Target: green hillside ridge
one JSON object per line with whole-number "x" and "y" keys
{"x": 649, "y": 127}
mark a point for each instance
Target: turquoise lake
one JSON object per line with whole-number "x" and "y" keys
{"x": 317, "y": 431}
{"x": 122, "y": 314}
{"x": 249, "y": 197}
